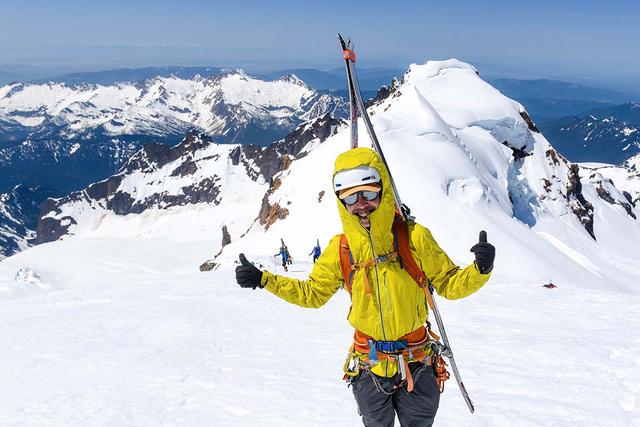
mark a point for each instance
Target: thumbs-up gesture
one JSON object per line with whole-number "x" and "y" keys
{"x": 248, "y": 275}
{"x": 485, "y": 254}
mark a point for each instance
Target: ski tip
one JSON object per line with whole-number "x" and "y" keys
{"x": 342, "y": 42}
{"x": 466, "y": 397}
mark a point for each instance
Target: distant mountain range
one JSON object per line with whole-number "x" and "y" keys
{"x": 71, "y": 135}
{"x": 126, "y": 75}
{"x": 57, "y": 138}
{"x": 546, "y": 99}
{"x": 609, "y": 135}
{"x": 370, "y": 79}
{"x": 555, "y": 89}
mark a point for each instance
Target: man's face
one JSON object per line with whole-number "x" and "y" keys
{"x": 362, "y": 208}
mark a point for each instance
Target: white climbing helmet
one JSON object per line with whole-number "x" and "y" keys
{"x": 363, "y": 177}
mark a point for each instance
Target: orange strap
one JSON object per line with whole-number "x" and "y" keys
{"x": 408, "y": 374}
{"x": 364, "y": 265}
{"x": 370, "y": 264}
{"x": 415, "y": 339}
{"x": 348, "y": 267}
{"x": 345, "y": 262}
{"x": 402, "y": 253}
{"x": 409, "y": 264}
{"x": 401, "y": 233}
{"x": 435, "y": 336}
{"x": 428, "y": 297}
{"x": 349, "y": 54}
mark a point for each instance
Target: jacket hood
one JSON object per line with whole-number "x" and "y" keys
{"x": 378, "y": 240}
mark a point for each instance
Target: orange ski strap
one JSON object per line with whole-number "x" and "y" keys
{"x": 349, "y": 54}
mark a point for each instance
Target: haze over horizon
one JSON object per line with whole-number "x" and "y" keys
{"x": 583, "y": 42}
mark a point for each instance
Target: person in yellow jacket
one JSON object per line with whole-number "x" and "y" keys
{"x": 388, "y": 309}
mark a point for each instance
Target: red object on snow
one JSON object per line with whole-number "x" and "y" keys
{"x": 549, "y": 286}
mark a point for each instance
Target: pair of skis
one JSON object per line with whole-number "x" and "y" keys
{"x": 357, "y": 107}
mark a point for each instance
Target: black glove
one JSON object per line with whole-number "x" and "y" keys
{"x": 248, "y": 275}
{"x": 485, "y": 254}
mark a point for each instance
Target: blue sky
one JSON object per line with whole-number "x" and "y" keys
{"x": 583, "y": 41}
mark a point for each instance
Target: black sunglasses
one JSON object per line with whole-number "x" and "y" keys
{"x": 353, "y": 198}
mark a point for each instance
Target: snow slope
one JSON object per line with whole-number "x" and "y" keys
{"x": 116, "y": 326}
{"x": 128, "y": 332}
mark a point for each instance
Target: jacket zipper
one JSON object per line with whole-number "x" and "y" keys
{"x": 385, "y": 283}
{"x": 375, "y": 267}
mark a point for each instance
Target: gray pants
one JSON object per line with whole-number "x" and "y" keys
{"x": 378, "y": 403}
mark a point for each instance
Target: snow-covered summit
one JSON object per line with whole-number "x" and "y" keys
{"x": 466, "y": 158}
{"x": 292, "y": 78}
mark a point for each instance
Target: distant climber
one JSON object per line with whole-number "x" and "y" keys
{"x": 283, "y": 246}
{"x": 284, "y": 253}
{"x": 316, "y": 251}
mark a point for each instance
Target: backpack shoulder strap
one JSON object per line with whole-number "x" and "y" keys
{"x": 402, "y": 246}
{"x": 346, "y": 261}
{"x": 408, "y": 262}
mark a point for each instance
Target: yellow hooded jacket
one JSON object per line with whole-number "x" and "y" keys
{"x": 396, "y": 305}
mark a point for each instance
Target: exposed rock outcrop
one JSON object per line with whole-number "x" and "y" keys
{"x": 532, "y": 126}
{"x": 578, "y": 204}
{"x": 19, "y": 213}
{"x": 226, "y": 237}
{"x": 607, "y": 192}
{"x": 384, "y": 93}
